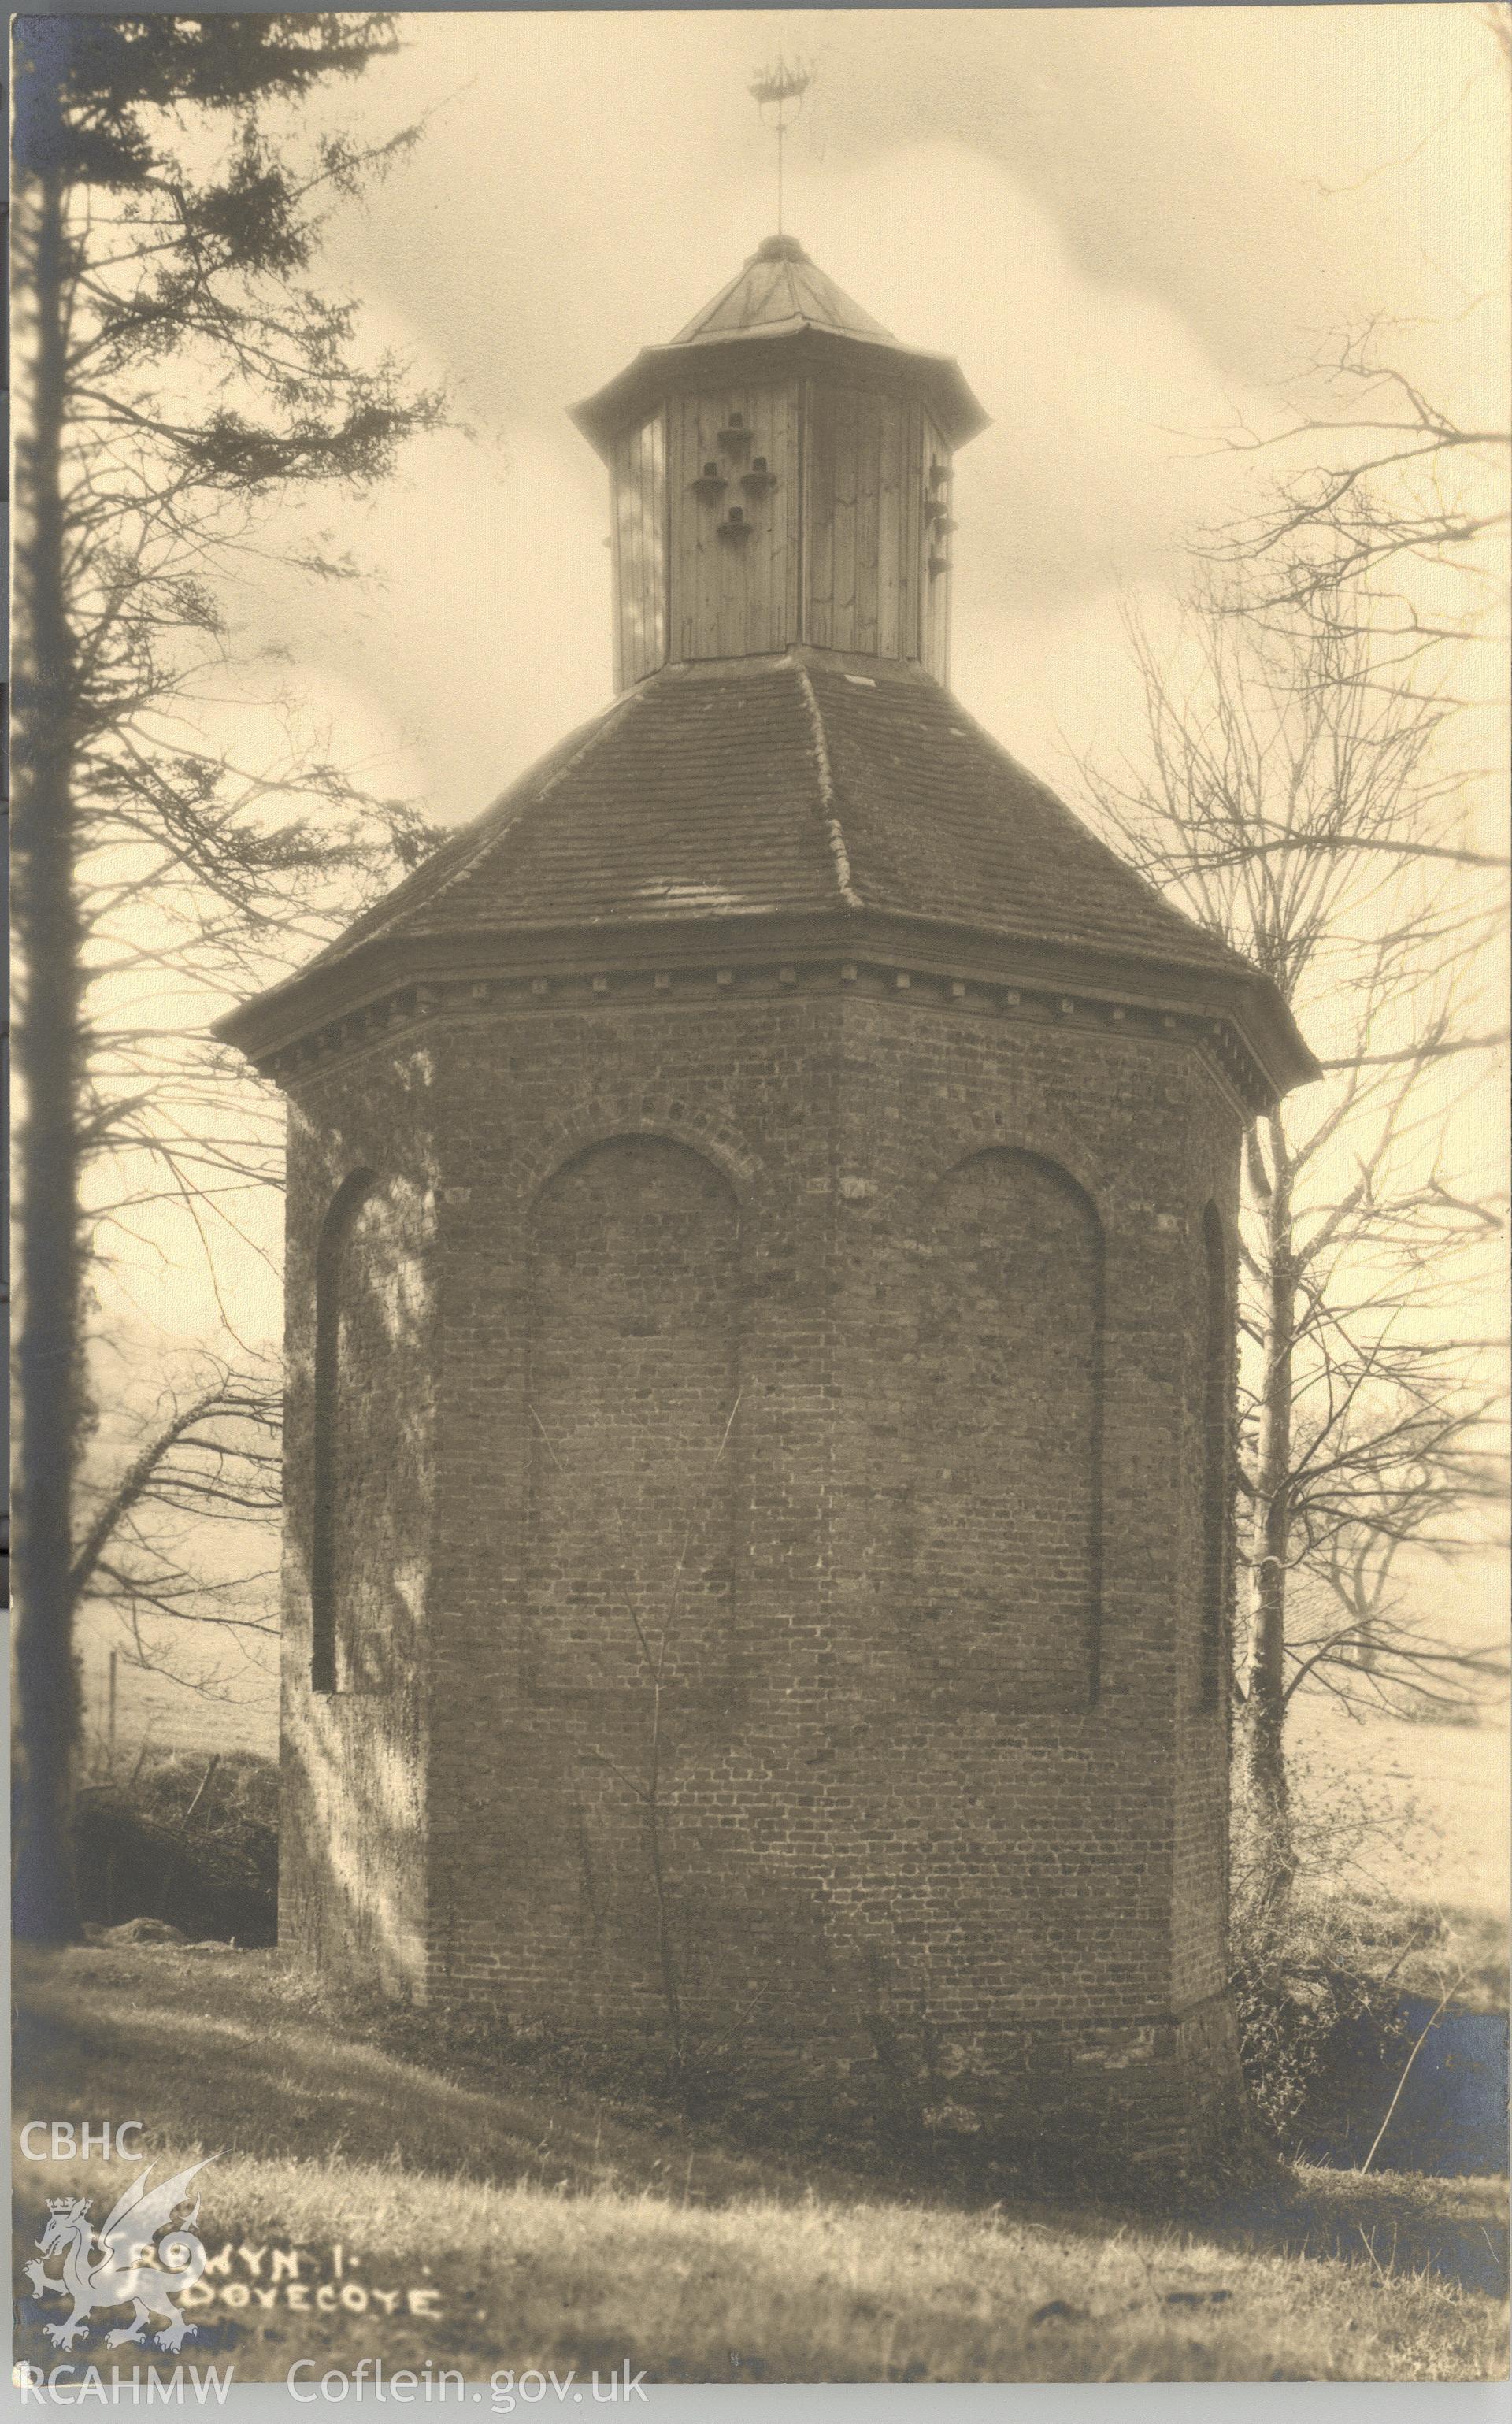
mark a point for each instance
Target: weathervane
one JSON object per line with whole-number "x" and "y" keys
{"x": 773, "y": 89}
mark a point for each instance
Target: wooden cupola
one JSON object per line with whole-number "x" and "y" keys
{"x": 781, "y": 473}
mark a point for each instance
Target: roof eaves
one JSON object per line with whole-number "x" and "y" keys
{"x": 499, "y": 832}
{"x": 1275, "y": 1037}
{"x": 654, "y": 370}
{"x": 1234, "y": 961}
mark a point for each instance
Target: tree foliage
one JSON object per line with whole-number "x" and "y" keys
{"x": 183, "y": 378}
{"x": 205, "y": 382}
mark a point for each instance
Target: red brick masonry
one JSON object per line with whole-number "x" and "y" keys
{"x": 938, "y": 1765}
{"x": 761, "y": 1321}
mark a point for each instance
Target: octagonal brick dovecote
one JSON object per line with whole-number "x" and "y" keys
{"x": 760, "y": 1326}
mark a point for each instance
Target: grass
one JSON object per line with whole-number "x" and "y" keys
{"x": 549, "y": 2226}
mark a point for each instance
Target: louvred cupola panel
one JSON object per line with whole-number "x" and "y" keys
{"x": 781, "y": 473}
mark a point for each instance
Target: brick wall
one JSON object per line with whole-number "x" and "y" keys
{"x": 1006, "y": 1367}
{"x": 936, "y": 1785}
{"x": 632, "y": 1379}
{"x": 1199, "y": 1941}
{"x": 359, "y": 1531}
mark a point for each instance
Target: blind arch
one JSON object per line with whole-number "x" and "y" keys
{"x": 1008, "y": 1496}
{"x": 633, "y": 1381}
{"x": 331, "y": 1256}
{"x": 1217, "y": 1461}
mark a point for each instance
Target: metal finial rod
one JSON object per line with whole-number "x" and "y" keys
{"x": 773, "y": 89}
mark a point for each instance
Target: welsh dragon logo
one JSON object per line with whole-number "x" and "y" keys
{"x": 132, "y": 2269}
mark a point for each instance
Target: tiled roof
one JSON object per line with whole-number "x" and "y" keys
{"x": 780, "y": 288}
{"x": 781, "y": 784}
{"x": 780, "y": 305}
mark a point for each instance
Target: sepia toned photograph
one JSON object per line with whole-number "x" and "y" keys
{"x": 760, "y": 847}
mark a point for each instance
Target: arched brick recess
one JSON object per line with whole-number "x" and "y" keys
{"x": 639, "y": 1113}
{"x": 1217, "y": 1450}
{"x": 1009, "y": 1357}
{"x": 1013, "y": 1132}
{"x": 332, "y": 1257}
{"x": 370, "y": 1446}
{"x": 633, "y": 1376}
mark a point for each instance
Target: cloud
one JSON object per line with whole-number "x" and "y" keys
{"x": 1103, "y": 396}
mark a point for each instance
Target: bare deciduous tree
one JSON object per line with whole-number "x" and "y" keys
{"x": 205, "y": 1454}
{"x": 1387, "y": 510}
{"x": 1386, "y": 515}
{"x": 1311, "y": 817}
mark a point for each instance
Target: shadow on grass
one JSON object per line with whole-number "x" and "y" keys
{"x": 234, "y": 2052}
{"x": 238, "y": 2054}
{"x": 1396, "y": 2223}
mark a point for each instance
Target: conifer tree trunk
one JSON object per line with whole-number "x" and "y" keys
{"x": 48, "y": 1047}
{"x": 125, "y": 498}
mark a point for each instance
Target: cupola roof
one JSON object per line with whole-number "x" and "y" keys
{"x": 780, "y": 288}
{"x": 780, "y": 299}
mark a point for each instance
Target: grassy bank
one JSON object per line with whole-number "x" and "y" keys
{"x": 513, "y": 2221}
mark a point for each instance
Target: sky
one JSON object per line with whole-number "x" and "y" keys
{"x": 1132, "y": 227}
